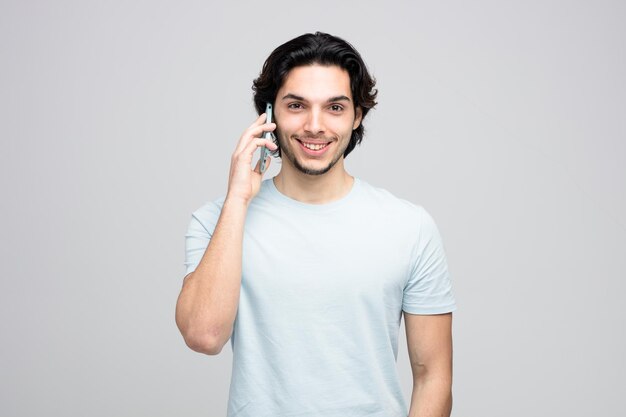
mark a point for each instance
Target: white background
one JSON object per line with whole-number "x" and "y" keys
{"x": 504, "y": 119}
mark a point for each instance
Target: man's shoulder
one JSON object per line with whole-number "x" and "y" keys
{"x": 210, "y": 210}
{"x": 381, "y": 198}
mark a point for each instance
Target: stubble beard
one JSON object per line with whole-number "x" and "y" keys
{"x": 287, "y": 153}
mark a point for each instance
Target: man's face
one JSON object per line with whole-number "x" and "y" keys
{"x": 315, "y": 117}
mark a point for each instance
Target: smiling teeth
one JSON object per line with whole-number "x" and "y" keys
{"x": 314, "y": 147}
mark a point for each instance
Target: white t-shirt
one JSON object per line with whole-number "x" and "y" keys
{"x": 323, "y": 288}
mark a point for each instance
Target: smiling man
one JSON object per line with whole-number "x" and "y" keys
{"x": 320, "y": 124}
{"x": 317, "y": 117}
{"x": 308, "y": 273}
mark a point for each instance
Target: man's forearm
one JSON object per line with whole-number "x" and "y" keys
{"x": 431, "y": 397}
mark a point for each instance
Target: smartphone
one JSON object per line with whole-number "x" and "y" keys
{"x": 268, "y": 136}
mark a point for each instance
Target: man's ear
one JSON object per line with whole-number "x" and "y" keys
{"x": 358, "y": 117}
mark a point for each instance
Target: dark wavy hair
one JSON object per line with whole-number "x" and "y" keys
{"x": 323, "y": 49}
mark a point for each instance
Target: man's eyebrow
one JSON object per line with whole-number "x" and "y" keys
{"x": 338, "y": 98}
{"x": 293, "y": 97}
{"x": 330, "y": 100}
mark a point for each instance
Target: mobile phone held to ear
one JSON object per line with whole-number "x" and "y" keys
{"x": 268, "y": 136}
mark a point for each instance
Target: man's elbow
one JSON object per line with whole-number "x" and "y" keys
{"x": 203, "y": 344}
{"x": 200, "y": 340}
{"x": 432, "y": 373}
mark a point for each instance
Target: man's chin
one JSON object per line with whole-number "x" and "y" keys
{"x": 308, "y": 170}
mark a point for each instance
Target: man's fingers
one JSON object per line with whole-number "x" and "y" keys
{"x": 261, "y": 118}
{"x": 249, "y": 150}
{"x": 245, "y": 155}
{"x": 254, "y": 131}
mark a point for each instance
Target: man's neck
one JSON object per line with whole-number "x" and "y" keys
{"x": 314, "y": 189}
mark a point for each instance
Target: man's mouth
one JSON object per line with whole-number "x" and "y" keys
{"x": 314, "y": 146}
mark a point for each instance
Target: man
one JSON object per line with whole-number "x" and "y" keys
{"x": 308, "y": 273}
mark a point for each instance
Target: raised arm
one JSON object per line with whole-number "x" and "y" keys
{"x": 429, "y": 340}
{"x": 207, "y": 304}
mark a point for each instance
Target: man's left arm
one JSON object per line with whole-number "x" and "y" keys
{"x": 429, "y": 340}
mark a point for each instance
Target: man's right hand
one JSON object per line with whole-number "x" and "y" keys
{"x": 244, "y": 182}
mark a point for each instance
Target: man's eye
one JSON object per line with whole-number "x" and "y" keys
{"x": 295, "y": 106}
{"x": 336, "y": 107}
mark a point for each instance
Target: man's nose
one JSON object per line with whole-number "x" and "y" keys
{"x": 314, "y": 122}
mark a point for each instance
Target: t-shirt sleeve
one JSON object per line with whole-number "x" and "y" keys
{"x": 199, "y": 232}
{"x": 428, "y": 289}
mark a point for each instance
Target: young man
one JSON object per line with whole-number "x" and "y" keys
{"x": 308, "y": 273}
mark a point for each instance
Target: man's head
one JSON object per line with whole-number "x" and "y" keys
{"x": 311, "y": 63}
